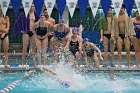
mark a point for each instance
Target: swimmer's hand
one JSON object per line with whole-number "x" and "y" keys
{"x": 101, "y": 39}
{"x": 114, "y": 38}
{"x": 6, "y": 31}
{"x": 137, "y": 26}
{"x": 101, "y": 57}
{"x": 3, "y": 35}
{"x": 65, "y": 48}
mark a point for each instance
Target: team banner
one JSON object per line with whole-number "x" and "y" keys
{"x": 94, "y": 4}
{"x": 129, "y": 6}
{"x": 16, "y": 5}
{"x": 71, "y": 6}
{"x": 82, "y": 5}
{"x": 38, "y": 6}
{"x": 27, "y": 5}
{"x": 105, "y": 6}
{"x": 49, "y": 5}
{"x": 117, "y": 5}
{"x": 4, "y": 6}
{"x": 61, "y": 6}
{"x": 138, "y": 4}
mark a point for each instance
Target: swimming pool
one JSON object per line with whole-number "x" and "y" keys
{"x": 79, "y": 81}
{"x": 71, "y": 80}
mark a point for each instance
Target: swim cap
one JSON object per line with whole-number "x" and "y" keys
{"x": 85, "y": 39}
{"x": 61, "y": 20}
{"x": 74, "y": 29}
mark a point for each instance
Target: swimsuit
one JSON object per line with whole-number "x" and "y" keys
{"x": 3, "y": 37}
{"x": 137, "y": 31}
{"x": 89, "y": 51}
{"x": 122, "y": 36}
{"x": 41, "y": 31}
{"x": 107, "y": 35}
{"x": 74, "y": 47}
{"x": 60, "y": 34}
{"x": 30, "y": 33}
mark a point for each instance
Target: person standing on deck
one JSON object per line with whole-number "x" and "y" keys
{"x": 41, "y": 30}
{"x": 74, "y": 44}
{"x": 61, "y": 31}
{"x": 25, "y": 25}
{"x": 105, "y": 37}
{"x": 90, "y": 52}
{"x": 137, "y": 38}
{"x": 52, "y": 23}
{"x": 123, "y": 32}
{"x": 4, "y": 29}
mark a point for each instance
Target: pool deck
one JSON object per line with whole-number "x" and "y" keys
{"x": 101, "y": 69}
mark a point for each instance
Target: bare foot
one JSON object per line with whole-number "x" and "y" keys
{"x": 6, "y": 66}
{"x": 23, "y": 66}
{"x": 129, "y": 66}
{"x": 137, "y": 66}
{"x": 119, "y": 66}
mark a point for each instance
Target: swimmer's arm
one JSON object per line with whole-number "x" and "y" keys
{"x": 67, "y": 29}
{"x": 50, "y": 70}
{"x": 115, "y": 27}
{"x": 101, "y": 28}
{"x": 131, "y": 27}
{"x": 96, "y": 48}
{"x": 8, "y": 24}
{"x": 34, "y": 27}
{"x": 80, "y": 43}
{"x": 101, "y": 34}
{"x": 49, "y": 27}
{"x": 67, "y": 43}
{"x": 52, "y": 26}
{"x": 55, "y": 27}
{"x": 53, "y": 21}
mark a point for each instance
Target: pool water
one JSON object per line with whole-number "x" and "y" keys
{"x": 71, "y": 80}
{"x": 80, "y": 82}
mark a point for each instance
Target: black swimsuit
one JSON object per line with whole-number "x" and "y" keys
{"x": 3, "y": 37}
{"x": 74, "y": 47}
{"x": 89, "y": 51}
{"x": 122, "y": 36}
{"x": 41, "y": 31}
{"x": 107, "y": 35}
{"x": 30, "y": 33}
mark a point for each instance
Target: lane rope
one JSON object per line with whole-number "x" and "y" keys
{"x": 12, "y": 85}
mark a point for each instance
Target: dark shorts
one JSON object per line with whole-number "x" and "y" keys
{"x": 30, "y": 33}
{"x": 49, "y": 37}
{"x": 107, "y": 35}
{"x": 122, "y": 36}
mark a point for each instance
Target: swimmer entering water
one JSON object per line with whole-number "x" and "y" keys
{"x": 89, "y": 50}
